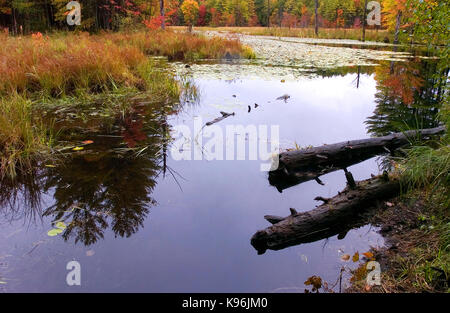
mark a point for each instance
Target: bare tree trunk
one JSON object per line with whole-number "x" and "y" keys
{"x": 364, "y": 22}
{"x": 268, "y": 13}
{"x": 317, "y": 17}
{"x": 359, "y": 74}
{"x": 15, "y": 22}
{"x": 163, "y": 14}
{"x": 397, "y": 27}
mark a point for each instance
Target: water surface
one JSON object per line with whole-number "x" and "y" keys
{"x": 149, "y": 223}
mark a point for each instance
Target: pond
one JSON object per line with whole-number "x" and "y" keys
{"x": 138, "y": 219}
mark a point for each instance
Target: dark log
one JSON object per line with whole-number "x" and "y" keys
{"x": 335, "y": 216}
{"x": 350, "y": 180}
{"x": 273, "y": 219}
{"x": 299, "y": 166}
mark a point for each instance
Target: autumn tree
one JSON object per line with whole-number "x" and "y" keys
{"x": 394, "y": 10}
{"x": 190, "y": 10}
{"x": 202, "y": 15}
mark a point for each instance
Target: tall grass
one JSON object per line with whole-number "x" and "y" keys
{"x": 62, "y": 64}
{"x": 22, "y": 140}
{"x": 428, "y": 167}
{"x": 182, "y": 45}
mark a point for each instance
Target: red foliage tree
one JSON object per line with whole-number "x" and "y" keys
{"x": 202, "y": 14}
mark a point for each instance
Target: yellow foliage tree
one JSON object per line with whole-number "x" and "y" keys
{"x": 190, "y": 12}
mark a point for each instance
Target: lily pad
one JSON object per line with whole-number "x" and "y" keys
{"x": 61, "y": 225}
{"x": 54, "y": 232}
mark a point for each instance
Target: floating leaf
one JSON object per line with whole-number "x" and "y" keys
{"x": 283, "y": 80}
{"x": 55, "y": 231}
{"x": 61, "y": 225}
{"x": 368, "y": 255}
{"x": 315, "y": 281}
{"x": 50, "y": 165}
{"x": 87, "y": 142}
{"x": 90, "y": 252}
{"x": 77, "y": 148}
{"x": 355, "y": 257}
{"x": 345, "y": 257}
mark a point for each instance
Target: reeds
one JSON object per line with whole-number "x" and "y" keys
{"x": 23, "y": 140}
{"x": 182, "y": 46}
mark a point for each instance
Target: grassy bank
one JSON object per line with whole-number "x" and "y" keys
{"x": 63, "y": 64}
{"x": 38, "y": 69}
{"x": 324, "y": 33}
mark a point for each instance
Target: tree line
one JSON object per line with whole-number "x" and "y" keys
{"x": 24, "y": 16}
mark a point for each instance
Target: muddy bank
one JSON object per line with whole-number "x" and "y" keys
{"x": 416, "y": 255}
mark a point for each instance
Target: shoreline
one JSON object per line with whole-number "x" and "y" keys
{"x": 416, "y": 256}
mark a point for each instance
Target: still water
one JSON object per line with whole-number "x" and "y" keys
{"x": 154, "y": 224}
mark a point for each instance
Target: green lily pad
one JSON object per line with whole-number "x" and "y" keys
{"x": 61, "y": 225}
{"x": 55, "y": 231}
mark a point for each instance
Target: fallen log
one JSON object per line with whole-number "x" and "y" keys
{"x": 217, "y": 120}
{"x": 328, "y": 219}
{"x": 299, "y": 166}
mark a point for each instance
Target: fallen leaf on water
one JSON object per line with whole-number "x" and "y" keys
{"x": 90, "y": 252}
{"x": 87, "y": 142}
{"x": 50, "y": 165}
{"x": 355, "y": 257}
{"x": 53, "y": 232}
{"x": 77, "y": 148}
{"x": 389, "y": 204}
{"x": 315, "y": 281}
{"x": 283, "y": 81}
{"x": 345, "y": 257}
{"x": 368, "y": 255}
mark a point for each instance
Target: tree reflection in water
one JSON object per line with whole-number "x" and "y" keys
{"x": 109, "y": 185}
{"x": 408, "y": 96}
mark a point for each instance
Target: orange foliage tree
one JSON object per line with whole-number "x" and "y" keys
{"x": 393, "y": 11}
